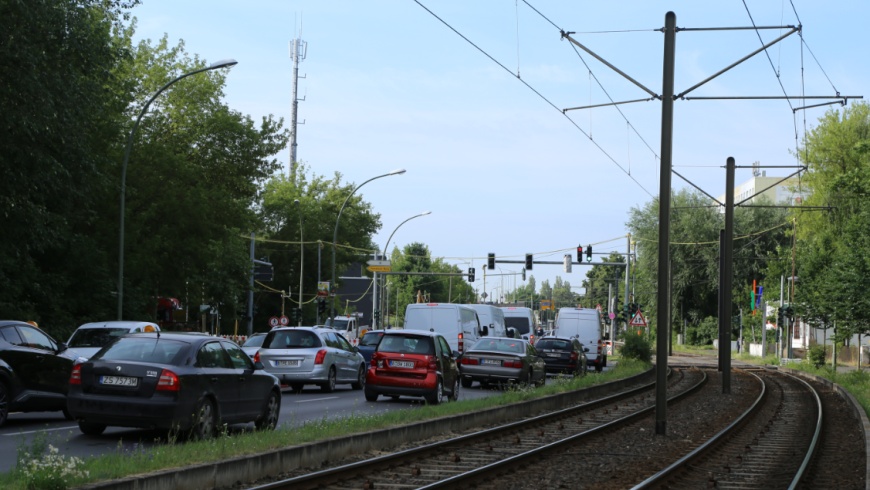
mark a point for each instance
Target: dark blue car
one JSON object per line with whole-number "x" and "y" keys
{"x": 369, "y": 342}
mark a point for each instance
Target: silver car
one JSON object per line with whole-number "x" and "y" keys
{"x": 310, "y": 355}
{"x": 253, "y": 344}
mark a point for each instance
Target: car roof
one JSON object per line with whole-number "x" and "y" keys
{"x": 403, "y": 331}
{"x": 182, "y": 336}
{"x": 118, "y": 324}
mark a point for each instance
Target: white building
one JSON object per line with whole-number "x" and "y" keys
{"x": 787, "y": 192}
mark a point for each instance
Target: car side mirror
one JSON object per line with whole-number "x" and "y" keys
{"x": 61, "y": 347}
{"x": 586, "y": 349}
{"x": 355, "y": 349}
{"x": 259, "y": 365}
{"x": 455, "y": 354}
{"x": 484, "y": 330}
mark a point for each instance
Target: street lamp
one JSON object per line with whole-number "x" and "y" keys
{"x": 375, "y": 304}
{"x": 301, "y": 256}
{"x": 214, "y": 66}
{"x": 335, "y": 233}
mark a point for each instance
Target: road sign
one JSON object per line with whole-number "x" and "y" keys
{"x": 284, "y": 320}
{"x": 378, "y": 268}
{"x": 323, "y": 289}
{"x": 274, "y": 321}
{"x": 378, "y": 262}
{"x": 611, "y": 315}
{"x": 638, "y": 320}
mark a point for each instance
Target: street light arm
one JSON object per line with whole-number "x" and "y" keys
{"x": 397, "y": 229}
{"x": 337, "y": 219}
{"x": 213, "y": 66}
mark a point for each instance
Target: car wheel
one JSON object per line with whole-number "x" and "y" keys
{"x": 66, "y": 414}
{"x": 466, "y": 382}
{"x": 360, "y": 379}
{"x": 329, "y": 386}
{"x": 371, "y": 396}
{"x": 91, "y": 428}
{"x": 204, "y": 420}
{"x": 455, "y": 395}
{"x": 437, "y": 396}
{"x": 599, "y": 367}
{"x": 4, "y": 403}
{"x": 269, "y": 418}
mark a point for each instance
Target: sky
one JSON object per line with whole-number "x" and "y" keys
{"x": 469, "y": 98}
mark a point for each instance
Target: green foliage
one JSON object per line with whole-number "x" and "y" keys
{"x": 704, "y": 332}
{"x": 636, "y": 347}
{"x": 41, "y": 467}
{"x": 816, "y": 356}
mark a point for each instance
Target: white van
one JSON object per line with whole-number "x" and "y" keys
{"x": 89, "y": 338}
{"x": 585, "y": 325}
{"x": 458, "y": 324}
{"x": 520, "y": 320}
{"x": 491, "y": 317}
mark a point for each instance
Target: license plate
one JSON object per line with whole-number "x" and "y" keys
{"x": 491, "y": 362}
{"x": 402, "y": 364}
{"x": 119, "y": 381}
{"x": 554, "y": 354}
{"x": 291, "y": 363}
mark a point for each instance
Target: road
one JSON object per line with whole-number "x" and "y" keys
{"x": 296, "y": 409}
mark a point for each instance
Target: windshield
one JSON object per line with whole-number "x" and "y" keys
{"x": 95, "y": 337}
{"x": 337, "y": 324}
{"x": 255, "y": 341}
{"x": 371, "y": 339}
{"x": 293, "y": 339}
{"x": 521, "y": 324}
{"x": 500, "y": 345}
{"x": 142, "y": 349}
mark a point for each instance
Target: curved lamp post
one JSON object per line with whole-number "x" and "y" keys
{"x": 218, "y": 64}
{"x": 375, "y": 303}
{"x": 335, "y": 233}
{"x": 301, "y": 256}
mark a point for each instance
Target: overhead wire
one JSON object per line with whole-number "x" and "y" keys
{"x": 536, "y": 92}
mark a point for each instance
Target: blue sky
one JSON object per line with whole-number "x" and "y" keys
{"x": 387, "y": 85}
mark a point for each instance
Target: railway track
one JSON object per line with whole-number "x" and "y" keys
{"x": 473, "y": 457}
{"x": 769, "y": 446}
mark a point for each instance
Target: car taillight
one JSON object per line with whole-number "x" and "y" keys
{"x": 599, "y": 347}
{"x": 75, "y": 378}
{"x": 512, "y": 364}
{"x": 321, "y": 355}
{"x": 257, "y": 356}
{"x": 574, "y": 356}
{"x": 470, "y": 361}
{"x": 461, "y": 343}
{"x": 433, "y": 366}
{"x": 168, "y": 381}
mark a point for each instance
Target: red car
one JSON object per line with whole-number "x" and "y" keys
{"x": 413, "y": 363}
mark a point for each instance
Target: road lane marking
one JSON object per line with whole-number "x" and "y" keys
{"x": 40, "y": 430}
{"x": 317, "y": 399}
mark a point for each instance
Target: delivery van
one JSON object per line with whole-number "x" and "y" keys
{"x": 459, "y": 324}
{"x": 491, "y": 317}
{"x": 519, "y": 321}
{"x": 585, "y": 325}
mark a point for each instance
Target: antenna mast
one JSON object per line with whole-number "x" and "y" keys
{"x": 298, "y": 50}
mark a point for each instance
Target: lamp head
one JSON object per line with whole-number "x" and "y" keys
{"x": 223, "y": 63}
{"x": 397, "y": 172}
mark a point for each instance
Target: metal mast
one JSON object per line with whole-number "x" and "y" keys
{"x": 298, "y": 50}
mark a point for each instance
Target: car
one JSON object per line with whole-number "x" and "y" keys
{"x": 563, "y": 355}
{"x": 502, "y": 360}
{"x": 253, "y": 343}
{"x": 415, "y": 363}
{"x": 368, "y": 343}
{"x": 584, "y": 324}
{"x": 34, "y": 370}
{"x": 89, "y": 338}
{"x": 192, "y": 384}
{"x": 299, "y": 356}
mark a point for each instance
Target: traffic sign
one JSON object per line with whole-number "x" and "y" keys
{"x": 611, "y": 315}
{"x": 274, "y": 321}
{"x": 379, "y": 268}
{"x": 638, "y": 320}
{"x": 284, "y": 320}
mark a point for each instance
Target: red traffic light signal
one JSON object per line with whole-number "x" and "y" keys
{"x": 579, "y": 253}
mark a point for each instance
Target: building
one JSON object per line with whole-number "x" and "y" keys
{"x": 788, "y": 192}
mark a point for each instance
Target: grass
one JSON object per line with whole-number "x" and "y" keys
{"x": 167, "y": 454}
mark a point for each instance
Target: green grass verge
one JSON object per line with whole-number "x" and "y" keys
{"x": 166, "y": 455}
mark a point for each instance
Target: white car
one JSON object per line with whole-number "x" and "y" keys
{"x": 89, "y": 338}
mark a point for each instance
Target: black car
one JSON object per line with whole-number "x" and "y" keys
{"x": 190, "y": 383}
{"x": 34, "y": 370}
{"x": 563, "y": 355}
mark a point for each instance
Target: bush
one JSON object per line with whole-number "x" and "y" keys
{"x": 816, "y": 356}
{"x": 636, "y": 347}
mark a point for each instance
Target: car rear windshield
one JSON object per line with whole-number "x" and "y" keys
{"x": 152, "y": 349}
{"x": 406, "y": 344}
{"x": 292, "y": 339}
{"x": 500, "y": 345}
{"x": 557, "y": 344}
{"x": 255, "y": 341}
{"x": 371, "y": 339}
{"x": 96, "y": 337}
{"x": 521, "y": 324}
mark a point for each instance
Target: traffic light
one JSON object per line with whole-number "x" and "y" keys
{"x": 321, "y": 307}
{"x": 589, "y": 253}
{"x": 524, "y": 274}
{"x": 580, "y": 253}
{"x": 779, "y": 318}
{"x": 528, "y": 262}
{"x": 471, "y": 274}
{"x": 490, "y": 261}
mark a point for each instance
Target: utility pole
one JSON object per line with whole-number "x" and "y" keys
{"x": 298, "y": 50}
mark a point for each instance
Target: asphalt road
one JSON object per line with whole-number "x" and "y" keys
{"x": 312, "y": 404}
